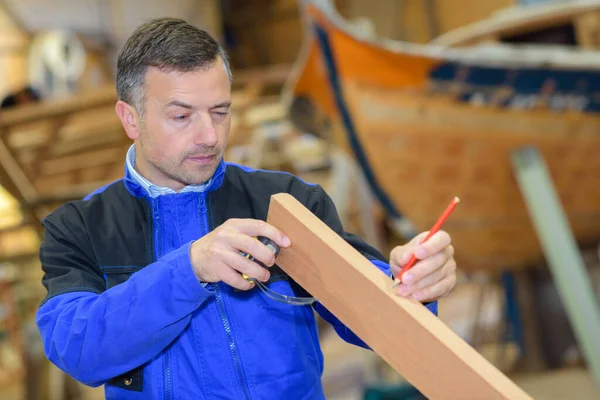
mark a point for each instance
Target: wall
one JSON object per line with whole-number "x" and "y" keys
{"x": 262, "y": 32}
{"x": 12, "y": 55}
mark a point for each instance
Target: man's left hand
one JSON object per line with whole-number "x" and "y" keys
{"x": 434, "y": 274}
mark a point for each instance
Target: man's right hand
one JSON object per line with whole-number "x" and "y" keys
{"x": 216, "y": 256}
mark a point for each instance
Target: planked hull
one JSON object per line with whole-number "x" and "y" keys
{"x": 571, "y": 22}
{"x": 427, "y": 124}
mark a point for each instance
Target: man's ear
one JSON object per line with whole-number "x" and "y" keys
{"x": 129, "y": 118}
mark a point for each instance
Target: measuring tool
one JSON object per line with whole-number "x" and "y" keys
{"x": 297, "y": 301}
{"x": 271, "y": 245}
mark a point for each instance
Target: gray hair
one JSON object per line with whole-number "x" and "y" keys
{"x": 169, "y": 44}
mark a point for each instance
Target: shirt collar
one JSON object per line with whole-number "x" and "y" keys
{"x": 152, "y": 189}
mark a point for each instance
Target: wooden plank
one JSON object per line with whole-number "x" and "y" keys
{"x": 12, "y": 326}
{"x": 62, "y": 184}
{"x": 89, "y": 122}
{"x": 402, "y": 331}
{"x": 515, "y": 21}
{"x": 50, "y": 109}
{"x": 109, "y": 155}
{"x": 28, "y": 136}
{"x": 8, "y": 229}
{"x": 470, "y": 11}
{"x": 63, "y": 194}
{"x": 94, "y": 143}
{"x": 19, "y": 179}
{"x": 274, "y": 74}
{"x": 17, "y": 183}
{"x": 55, "y": 125}
{"x": 18, "y": 242}
{"x": 587, "y": 31}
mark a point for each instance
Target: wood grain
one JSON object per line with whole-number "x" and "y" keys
{"x": 402, "y": 331}
{"x": 516, "y": 21}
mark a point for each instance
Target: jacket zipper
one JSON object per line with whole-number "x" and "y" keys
{"x": 205, "y": 212}
{"x": 232, "y": 346}
{"x": 159, "y": 253}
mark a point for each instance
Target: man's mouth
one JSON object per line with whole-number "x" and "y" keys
{"x": 204, "y": 159}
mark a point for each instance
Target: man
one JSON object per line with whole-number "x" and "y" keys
{"x": 145, "y": 292}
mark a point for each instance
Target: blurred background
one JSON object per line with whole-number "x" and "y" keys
{"x": 394, "y": 106}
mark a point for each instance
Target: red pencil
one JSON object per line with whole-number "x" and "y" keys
{"x": 436, "y": 227}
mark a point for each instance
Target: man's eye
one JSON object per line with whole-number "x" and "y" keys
{"x": 221, "y": 113}
{"x": 181, "y": 117}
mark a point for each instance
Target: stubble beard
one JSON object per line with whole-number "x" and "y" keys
{"x": 182, "y": 170}
{"x": 187, "y": 172}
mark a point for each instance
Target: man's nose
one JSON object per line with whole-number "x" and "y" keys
{"x": 206, "y": 133}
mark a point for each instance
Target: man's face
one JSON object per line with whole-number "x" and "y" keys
{"x": 185, "y": 126}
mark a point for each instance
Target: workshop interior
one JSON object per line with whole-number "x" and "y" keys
{"x": 393, "y": 107}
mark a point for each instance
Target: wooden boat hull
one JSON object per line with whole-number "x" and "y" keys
{"x": 425, "y": 128}
{"x": 573, "y": 21}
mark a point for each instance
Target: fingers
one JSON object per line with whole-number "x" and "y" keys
{"x": 243, "y": 265}
{"x": 437, "y": 290}
{"x": 407, "y": 288}
{"x": 216, "y": 256}
{"x": 438, "y": 283}
{"x": 254, "y": 227}
{"x": 427, "y": 266}
{"x": 400, "y": 255}
{"x": 234, "y": 279}
{"x": 253, "y": 247}
{"x": 436, "y": 243}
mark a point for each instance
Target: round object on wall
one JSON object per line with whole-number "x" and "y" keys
{"x": 57, "y": 60}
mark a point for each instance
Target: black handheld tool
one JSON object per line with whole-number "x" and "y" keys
{"x": 271, "y": 245}
{"x": 292, "y": 300}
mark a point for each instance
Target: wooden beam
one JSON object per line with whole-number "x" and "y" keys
{"x": 587, "y": 31}
{"x": 275, "y": 74}
{"x": 67, "y": 182}
{"x": 7, "y": 183}
{"x": 75, "y": 192}
{"x": 19, "y": 180}
{"x": 93, "y": 143}
{"x": 402, "y": 331}
{"x": 19, "y": 242}
{"x": 514, "y": 21}
{"x": 15, "y": 19}
{"x": 19, "y": 258}
{"x": 244, "y": 98}
{"x": 84, "y": 160}
{"x": 51, "y": 109}
{"x": 272, "y": 75}
{"x": 13, "y": 228}
{"x": 17, "y": 183}
{"x": 85, "y": 125}
{"x": 42, "y": 153}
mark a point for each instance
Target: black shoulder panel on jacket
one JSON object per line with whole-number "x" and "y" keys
{"x": 246, "y": 193}
{"x": 85, "y": 240}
